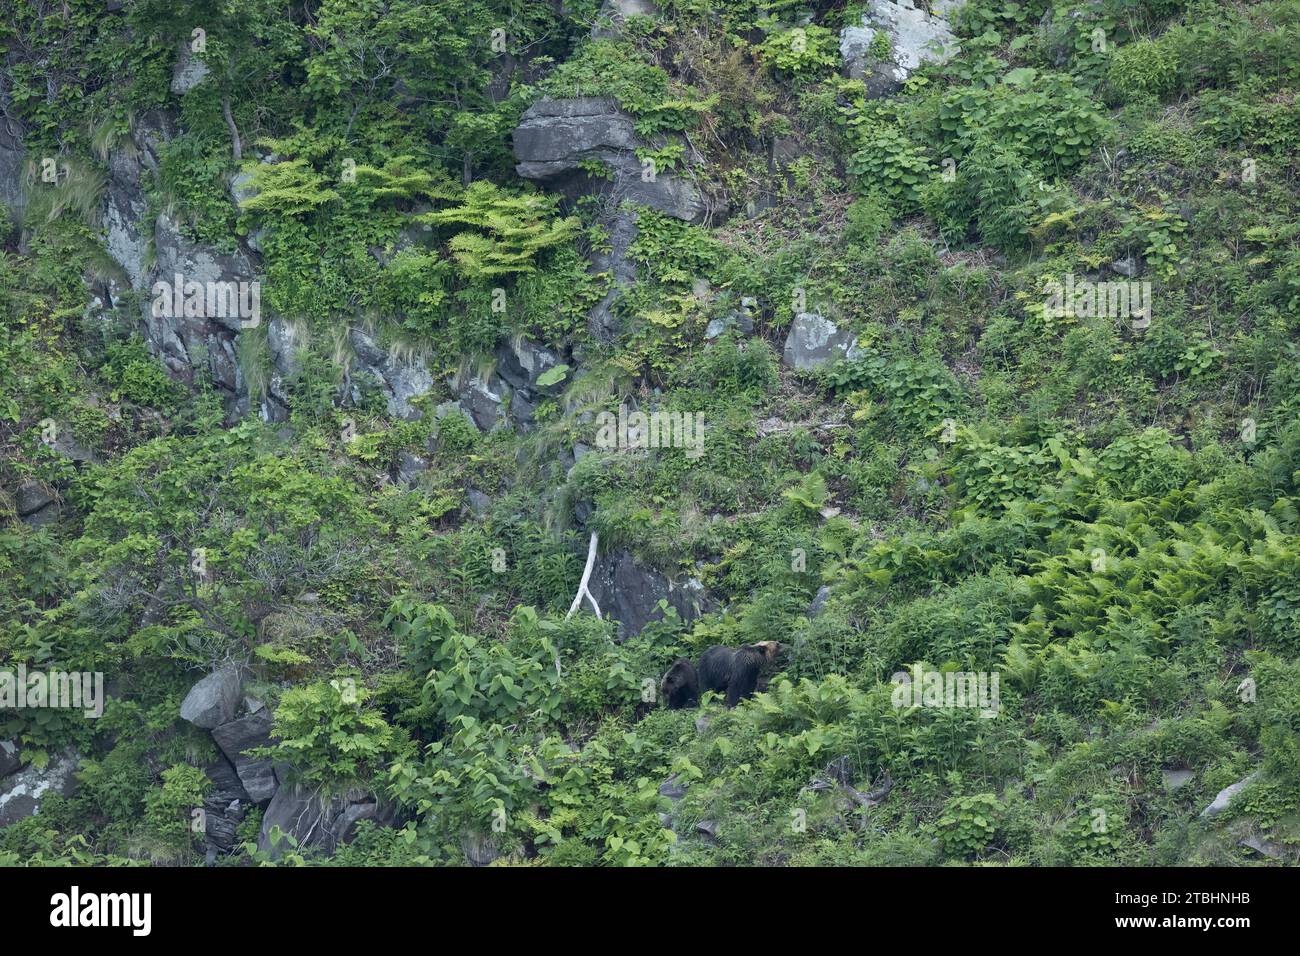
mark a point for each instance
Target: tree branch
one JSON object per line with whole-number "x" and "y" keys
{"x": 586, "y": 576}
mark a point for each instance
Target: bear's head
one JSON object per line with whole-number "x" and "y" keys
{"x": 769, "y": 649}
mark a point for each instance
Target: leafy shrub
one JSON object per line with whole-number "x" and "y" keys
{"x": 993, "y": 192}
{"x": 510, "y": 230}
{"x": 1046, "y": 117}
{"x": 1148, "y": 67}
{"x": 329, "y": 736}
{"x": 138, "y": 377}
{"x": 170, "y": 819}
{"x": 886, "y": 159}
{"x": 805, "y": 50}
{"x": 968, "y": 824}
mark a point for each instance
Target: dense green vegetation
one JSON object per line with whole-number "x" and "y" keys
{"x": 1106, "y": 516}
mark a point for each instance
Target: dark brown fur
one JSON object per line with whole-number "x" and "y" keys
{"x": 734, "y": 670}
{"x": 680, "y": 687}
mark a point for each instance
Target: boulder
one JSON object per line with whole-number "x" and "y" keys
{"x": 478, "y": 502}
{"x": 520, "y": 362}
{"x": 915, "y": 35}
{"x": 235, "y": 738}
{"x": 188, "y": 71}
{"x": 67, "y": 445}
{"x": 318, "y": 821}
{"x": 732, "y": 320}
{"x": 672, "y": 788}
{"x": 819, "y": 601}
{"x": 1224, "y": 797}
{"x": 22, "y": 793}
{"x": 36, "y": 503}
{"x": 1126, "y": 267}
{"x": 214, "y": 700}
{"x": 630, "y": 593}
{"x": 10, "y": 759}
{"x": 479, "y": 848}
{"x": 484, "y": 400}
{"x": 1265, "y": 847}
{"x": 815, "y": 340}
{"x": 410, "y": 466}
{"x": 556, "y": 138}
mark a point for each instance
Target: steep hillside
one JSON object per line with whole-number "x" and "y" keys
{"x": 391, "y": 392}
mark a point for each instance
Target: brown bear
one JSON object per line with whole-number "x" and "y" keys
{"x": 680, "y": 687}
{"x": 734, "y": 670}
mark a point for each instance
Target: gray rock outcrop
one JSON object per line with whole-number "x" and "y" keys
{"x": 22, "y": 793}
{"x": 188, "y": 71}
{"x": 479, "y": 848}
{"x": 484, "y": 400}
{"x": 235, "y": 738}
{"x": 1224, "y": 797}
{"x": 556, "y": 138}
{"x": 10, "y": 759}
{"x": 224, "y": 807}
{"x": 402, "y": 378}
{"x": 819, "y": 601}
{"x": 555, "y": 144}
{"x": 317, "y": 821}
{"x": 613, "y": 16}
{"x": 285, "y": 341}
{"x": 520, "y": 363}
{"x": 732, "y": 320}
{"x": 913, "y": 35}
{"x": 630, "y": 593}
{"x": 815, "y": 340}
{"x": 214, "y": 700}
{"x": 616, "y": 264}
{"x": 410, "y": 467}
{"x": 188, "y": 343}
{"x": 37, "y": 503}
{"x": 124, "y": 223}
{"x": 13, "y": 170}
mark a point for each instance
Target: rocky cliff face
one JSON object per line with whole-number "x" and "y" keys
{"x": 557, "y": 143}
{"x": 893, "y": 39}
{"x": 191, "y": 343}
{"x": 557, "y": 140}
{"x": 13, "y": 170}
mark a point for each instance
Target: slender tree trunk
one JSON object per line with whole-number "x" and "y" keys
{"x": 586, "y": 576}
{"x": 236, "y": 145}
